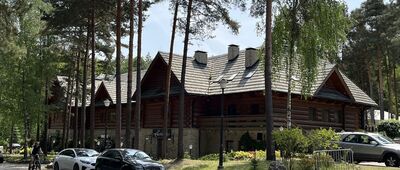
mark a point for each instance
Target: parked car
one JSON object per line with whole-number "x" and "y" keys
{"x": 371, "y": 147}
{"x": 76, "y": 159}
{"x": 1, "y": 157}
{"x": 126, "y": 159}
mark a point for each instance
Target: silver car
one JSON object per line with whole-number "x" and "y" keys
{"x": 371, "y": 147}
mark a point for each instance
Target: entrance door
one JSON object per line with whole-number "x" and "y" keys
{"x": 159, "y": 148}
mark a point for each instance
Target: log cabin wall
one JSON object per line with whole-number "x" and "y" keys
{"x": 246, "y": 110}
{"x": 153, "y": 112}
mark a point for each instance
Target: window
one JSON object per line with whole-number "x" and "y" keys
{"x": 325, "y": 116}
{"x": 339, "y": 116}
{"x": 351, "y": 138}
{"x": 364, "y": 139}
{"x": 219, "y": 78}
{"x": 254, "y": 109}
{"x": 250, "y": 74}
{"x": 229, "y": 145}
{"x": 68, "y": 153}
{"x": 232, "y": 77}
{"x": 112, "y": 154}
{"x": 312, "y": 113}
{"x": 259, "y": 136}
{"x": 232, "y": 109}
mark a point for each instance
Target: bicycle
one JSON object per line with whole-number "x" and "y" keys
{"x": 35, "y": 163}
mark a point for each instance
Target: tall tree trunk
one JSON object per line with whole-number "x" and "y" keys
{"x": 93, "y": 80}
{"x": 69, "y": 110}
{"x": 46, "y": 117}
{"x": 128, "y": 137}
{"x": 389, "y": 87}
{"x": 371, "y": 110}
{"x": 84, "y": 90}
{"x": 182, "y": 90}
{"x": 138, "y": 77}
{"x": 380, "y": 76}
{"x": 26, "y": 118}
{"x": 118, "y": 77}
{"x": 168, "y": 77}
{"x": 396, "y": 101}
{"x": 68, "y": 95}
{"x": 75, "y": 141}
{"x": 268, "y": 82}
{"x": 11, "y": 137}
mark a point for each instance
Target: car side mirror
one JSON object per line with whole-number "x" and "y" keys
{"x": 374, "y": 143}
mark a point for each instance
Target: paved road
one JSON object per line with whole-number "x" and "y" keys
{"x": 372, "y": 163}
{"x": 8, "y": 166}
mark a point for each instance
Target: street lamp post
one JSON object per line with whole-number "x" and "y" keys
{"x": 106, "y": 104}
{"x": 222, "y": 83}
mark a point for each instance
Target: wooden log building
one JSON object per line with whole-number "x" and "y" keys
{"x": 335, "y": 101}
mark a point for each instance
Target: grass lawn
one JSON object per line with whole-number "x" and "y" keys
{"x": 188, "y": 164}
{"x": 18, "y": 158}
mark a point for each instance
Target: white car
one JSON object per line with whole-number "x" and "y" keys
{"x": 76, "y": 159}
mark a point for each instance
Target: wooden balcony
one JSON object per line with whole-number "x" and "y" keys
{"x": 237, "y": 121}
{"x": 258, "y": 121}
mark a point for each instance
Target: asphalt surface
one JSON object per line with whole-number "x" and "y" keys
{"x": 8, "y": 166}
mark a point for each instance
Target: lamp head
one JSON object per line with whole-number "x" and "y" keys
{"x": 107, "y": 102}
{"x": 223, "y": 83}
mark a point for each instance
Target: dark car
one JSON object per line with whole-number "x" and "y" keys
{"x": 371, "y": 147}
{"x": 126, "y": 159}
{"x": 1, "y": 158}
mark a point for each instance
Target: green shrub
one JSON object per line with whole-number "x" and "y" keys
{"x": 290, "y": 141}
{"x": 323, "y": 161}
{"x": 390, "y": 127}
{"x": 242, "y": 155}
{"x": 247, "y": 143}
{"x": 321, "y": 139}
{"x": 212, "y": 157}
{"x": 306, "y": 163}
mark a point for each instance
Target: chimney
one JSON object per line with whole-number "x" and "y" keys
{"x": 250, "y": 57}
{"x": 233, "y": 52}
{"x": 200, "y": 57}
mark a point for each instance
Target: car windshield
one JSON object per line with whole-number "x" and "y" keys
{"x": 86, "y": 152}
{"x": 383, "y": 139}
{"x": 136, "y": 155}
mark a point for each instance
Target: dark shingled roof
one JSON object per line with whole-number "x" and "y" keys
{"x": 200, "y": 77}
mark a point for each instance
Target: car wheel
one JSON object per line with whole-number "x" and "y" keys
{"x": 391, "y": 160}
{"x": 76, "y": 167}
{"x": 56, "y": 167}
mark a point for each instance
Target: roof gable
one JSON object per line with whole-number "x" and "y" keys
{"x": 153, "y": 83}
{"x": 334, "y": 87}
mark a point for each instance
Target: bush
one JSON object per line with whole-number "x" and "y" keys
{"x": 321, "y": 139}
{"x": 390, "y": 127}
{"x": 290, "y": 141}
{"x": 306, "y": 163}
{"x": 212, "y": 157}
{"x": 247, "y": 143}
{"x": 241, "y": 155}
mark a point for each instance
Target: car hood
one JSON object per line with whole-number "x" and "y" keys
{"x": 88, "y": 159}
{"x": 146, "y": 163}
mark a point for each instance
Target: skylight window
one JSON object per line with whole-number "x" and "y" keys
{"x": 232, "y": 77}
{"x": 219, "y": 78}
{"x": 250, "y": 74}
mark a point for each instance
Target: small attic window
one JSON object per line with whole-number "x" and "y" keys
{"x": 219, "y": 78}
{"x": 250, "y": 74}
{"x": 232, "y": 77}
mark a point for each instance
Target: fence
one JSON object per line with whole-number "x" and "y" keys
{"x": 340, "y": 159}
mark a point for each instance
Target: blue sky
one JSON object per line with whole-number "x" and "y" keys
{"x": 157, "y": 32}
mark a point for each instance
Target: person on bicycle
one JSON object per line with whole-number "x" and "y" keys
{"x": 36, "y": 150}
